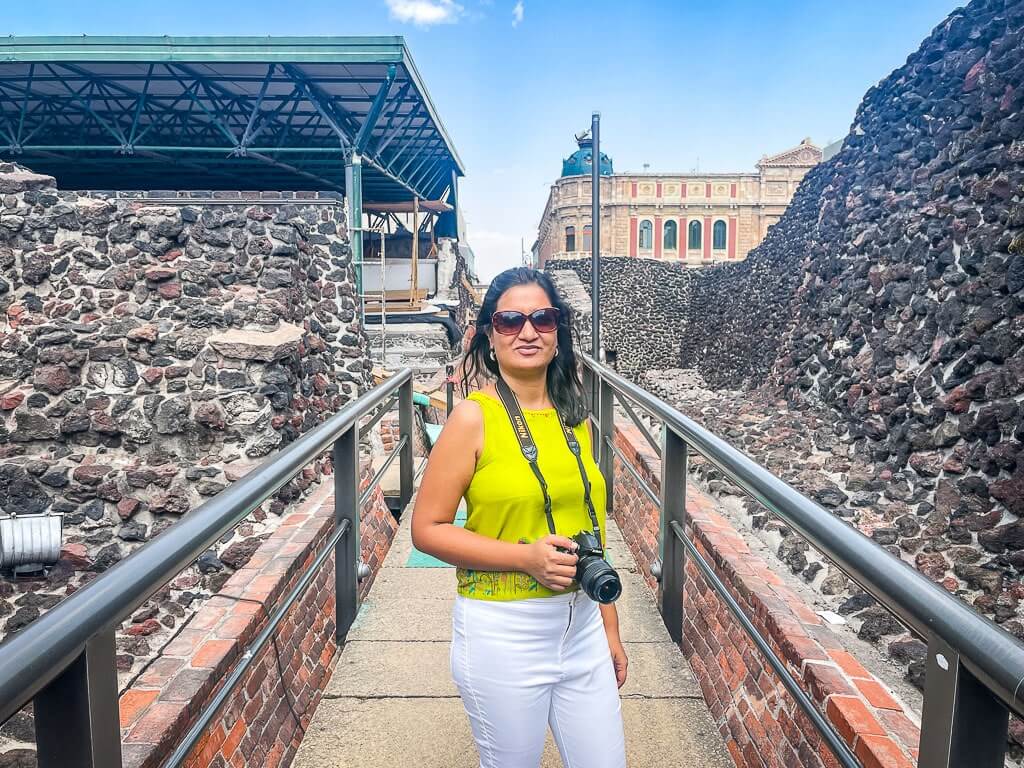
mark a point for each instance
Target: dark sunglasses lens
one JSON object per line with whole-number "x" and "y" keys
{"x": 508, "y": 322}
{"x": 545, "y": 320}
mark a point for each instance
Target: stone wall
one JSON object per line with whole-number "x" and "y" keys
{"x": 738, "y": 313}
{"x": 150, "y": 353}
{"x": 898, "y": 302}
{"x": 644, "y": 307}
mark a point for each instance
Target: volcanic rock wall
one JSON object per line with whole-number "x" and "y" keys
{"x": 152, "y": 352}
{"x": 739, "y": 313}
{"x": 644, "y": 305}
{"x": 891, "y": 292}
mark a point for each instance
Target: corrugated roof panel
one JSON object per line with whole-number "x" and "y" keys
{"x": 208, "y": 112}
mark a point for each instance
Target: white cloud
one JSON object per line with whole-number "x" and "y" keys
{"x": 517, "y": 13}
{"x": 424, "y": 13}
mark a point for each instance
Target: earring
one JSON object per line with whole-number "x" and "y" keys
{"x": 556, "y": 351}
{"x": 492, "y": 356}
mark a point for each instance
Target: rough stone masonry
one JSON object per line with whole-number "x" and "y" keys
{"x": 899, "y": 304}
{"x": 151, "y": 352}
{"x": 888, "y": 300}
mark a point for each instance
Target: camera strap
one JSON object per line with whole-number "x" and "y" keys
{"x": 529, "y": 449}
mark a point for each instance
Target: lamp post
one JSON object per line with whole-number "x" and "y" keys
{"x": 595, "y": 237}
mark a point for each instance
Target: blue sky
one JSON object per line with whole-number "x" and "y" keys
{"x": 678, "y": 83}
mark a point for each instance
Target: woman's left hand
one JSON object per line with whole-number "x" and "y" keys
{"x": 619, "y": 661}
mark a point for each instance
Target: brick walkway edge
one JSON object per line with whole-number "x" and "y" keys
{"x": 262, "y": 722}
{"x": 760, "y": 722}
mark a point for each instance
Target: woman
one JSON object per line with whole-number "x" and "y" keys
{"x": 529, "y": 647}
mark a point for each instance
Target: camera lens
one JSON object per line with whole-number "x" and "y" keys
{"x": 598, "y": 579}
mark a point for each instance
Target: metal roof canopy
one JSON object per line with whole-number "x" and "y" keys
{"x": 246, "y": 113}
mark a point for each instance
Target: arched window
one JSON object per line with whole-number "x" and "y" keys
{"x": 718, "y": 238}
{"x": 646, "y": 235}
{"x": 695, "y": 238}
{"x": 588, "y": 242}
{"x": 570, "y": 239}
{"x": 670, "y": 235}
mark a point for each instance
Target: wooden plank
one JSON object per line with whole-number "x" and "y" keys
{"x": 402, "y": 294}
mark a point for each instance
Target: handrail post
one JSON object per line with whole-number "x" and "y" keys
{"x": 449, "y": 388}
{"x": 346, "y": 550}
{"x": 962, "y": 722}
{"x": 674, "y": 459}
{"x": 76, "y": 716}
{"x": 405, "y": 428}
{"x": 606, "y": 418}
{"x": 589, "y": 378}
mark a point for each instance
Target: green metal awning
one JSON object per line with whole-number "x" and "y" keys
{"x": 245, "y": 113}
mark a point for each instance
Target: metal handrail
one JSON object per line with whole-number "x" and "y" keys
{"x": 971, "y": 659}
{"x": 33, "y": 661}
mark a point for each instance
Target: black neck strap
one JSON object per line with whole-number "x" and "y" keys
{"x": 529, "y": 449}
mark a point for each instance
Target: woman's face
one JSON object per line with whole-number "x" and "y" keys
{"x": 527, "y": 350}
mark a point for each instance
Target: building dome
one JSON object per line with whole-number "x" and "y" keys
{"x": 579, "y": 162}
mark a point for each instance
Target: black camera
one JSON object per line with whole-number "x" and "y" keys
{"x": 593, "y": 573}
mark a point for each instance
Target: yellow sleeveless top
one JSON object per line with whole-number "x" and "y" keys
{"x": 504, "y": 500}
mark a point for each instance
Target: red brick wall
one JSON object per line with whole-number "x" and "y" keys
{"x": 759, "y": 721}
{"x": 255, "y": 726}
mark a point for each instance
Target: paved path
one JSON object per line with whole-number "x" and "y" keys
{"x": 391, "y": 701}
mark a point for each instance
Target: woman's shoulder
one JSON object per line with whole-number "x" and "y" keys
{"x": 468, "y": 412}
{"x": 464, "y": 425}
{"x": 483, "y": 398}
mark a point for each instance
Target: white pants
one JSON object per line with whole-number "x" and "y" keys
{"x": 522, "y": 665}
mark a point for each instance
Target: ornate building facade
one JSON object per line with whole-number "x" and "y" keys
{"x": 696, "y": 218}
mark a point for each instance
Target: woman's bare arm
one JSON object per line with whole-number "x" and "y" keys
{"x": 447, "y": 476}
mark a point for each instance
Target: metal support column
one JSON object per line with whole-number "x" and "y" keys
{"x": 606, "y": 419}
{"x": 962, "y": 722}
{"x": 354, "y": 193}
{"x": 76, "y": 716}
{"x": 449, "y": 388}
{"x": 589, "y": 384}
{"x": 346, "y": 550}
{"x": 405, "y": 428}
{"x": 671, "y": 552}
{"x": 595, "y": 238}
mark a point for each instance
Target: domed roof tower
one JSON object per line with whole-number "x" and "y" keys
{"x": 579, "y": 162}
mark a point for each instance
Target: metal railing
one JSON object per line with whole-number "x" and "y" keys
{"x": 64, "y": 663}
{"x": 975, "y": 670}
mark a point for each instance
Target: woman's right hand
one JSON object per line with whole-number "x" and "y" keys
{"x": 553, "y": 569}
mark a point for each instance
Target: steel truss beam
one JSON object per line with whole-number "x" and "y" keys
{"x": 63, "y": 113}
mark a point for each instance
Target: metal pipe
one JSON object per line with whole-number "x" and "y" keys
{"x": 378, "y": 415}
{"x": 632, "y": 470}
{"x": 354, "y": 193}
{"x": 31, "y": 659}
{"x": 595, "y": 237}
{"x": 835, "y": 743}
{"x": 640, "y": 425}
{"x": 994, "y": 656}
{"x": 375, "y": 480}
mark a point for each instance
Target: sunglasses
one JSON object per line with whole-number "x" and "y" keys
{"x": 511, "y": 322}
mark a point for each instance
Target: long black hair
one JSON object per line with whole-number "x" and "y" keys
{"x": 564, "y": 386}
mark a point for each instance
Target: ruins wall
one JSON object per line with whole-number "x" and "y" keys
{"x": 151, "y": 352}
{"x": 890, "y": 297}
{"x": 898, "y": 301}
{"x": 644, "y": 306}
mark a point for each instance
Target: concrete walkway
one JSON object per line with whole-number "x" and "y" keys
{"x": 391, "y": 701}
